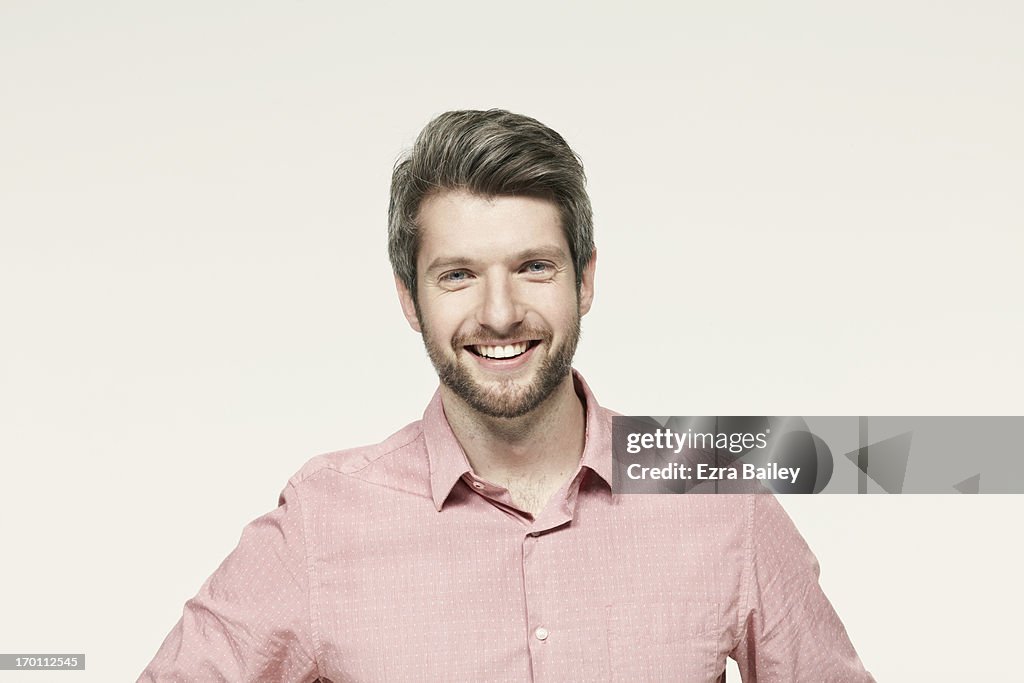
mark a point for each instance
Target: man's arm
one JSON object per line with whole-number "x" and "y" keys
{"x": 250, "y": 620}
{"x": 789, "y": 632}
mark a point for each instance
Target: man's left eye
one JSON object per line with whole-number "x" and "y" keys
{"x": 538, "y": 267}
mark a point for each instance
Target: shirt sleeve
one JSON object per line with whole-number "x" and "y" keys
{"x": 790, "y": 633}
{"x": 251, "y": 619}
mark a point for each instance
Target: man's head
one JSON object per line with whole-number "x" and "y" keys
{"x": 491, "y": 241}
{"x": 488, "y": 153}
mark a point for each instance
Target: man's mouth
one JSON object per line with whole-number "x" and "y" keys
{"x": 502, "y": 352}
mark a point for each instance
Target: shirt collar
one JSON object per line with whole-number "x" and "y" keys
{"x": 448, "y": 462}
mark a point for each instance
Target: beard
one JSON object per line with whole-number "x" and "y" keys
{"x": 504, "y": 398}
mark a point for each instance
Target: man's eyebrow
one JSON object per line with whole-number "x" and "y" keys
{"x": 441, "y": 263}
{"x": 546, "y": 252}
{"x": 551, "y": 252}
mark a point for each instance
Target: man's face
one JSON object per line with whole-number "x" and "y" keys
{"x": 497, "y": 302}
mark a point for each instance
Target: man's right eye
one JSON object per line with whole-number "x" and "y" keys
{"x": 454, "y": 277}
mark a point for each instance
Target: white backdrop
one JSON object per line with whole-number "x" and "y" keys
{"x": 801, "y": 208}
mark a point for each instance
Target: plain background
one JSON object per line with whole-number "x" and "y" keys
{"x": 801, "y": 208}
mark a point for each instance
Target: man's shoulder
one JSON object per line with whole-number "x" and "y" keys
{"x": 351, "y": 462}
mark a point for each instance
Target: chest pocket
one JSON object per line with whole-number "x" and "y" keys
{"x": 663, "y": 641}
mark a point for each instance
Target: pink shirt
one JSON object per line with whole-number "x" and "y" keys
{"x": 394, "y": 562}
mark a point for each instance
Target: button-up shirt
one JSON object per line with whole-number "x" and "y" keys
{"x": 395, "y": 562}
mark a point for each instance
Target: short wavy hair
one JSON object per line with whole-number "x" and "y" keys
{"x": 489, "y": 153}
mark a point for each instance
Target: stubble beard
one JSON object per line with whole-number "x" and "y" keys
{"x": 504, "y": 398}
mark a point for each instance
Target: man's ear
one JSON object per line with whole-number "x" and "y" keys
{"x": 408, "y": 305}
{"x": 587, "y": 284}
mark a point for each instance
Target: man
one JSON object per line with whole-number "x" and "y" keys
{"x": 484, "y": 542}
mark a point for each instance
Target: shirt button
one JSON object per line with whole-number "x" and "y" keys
{"x": 478, "y": 486}
{"x": 541, "y": 633}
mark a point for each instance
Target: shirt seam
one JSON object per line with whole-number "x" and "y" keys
{"x": 744, "y": 613}
{"x": 334, "y": 468}
{"x": 313, "y": 602}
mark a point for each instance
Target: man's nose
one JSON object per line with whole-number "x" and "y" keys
{"x": 501, "y": 309}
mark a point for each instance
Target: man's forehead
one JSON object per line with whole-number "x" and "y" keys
{"x": 458, "y": 223}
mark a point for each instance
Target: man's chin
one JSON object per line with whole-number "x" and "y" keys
{"x": 505, "y": 397}
{"x": 498, "y": 397}
{"x": 504, "y": 407}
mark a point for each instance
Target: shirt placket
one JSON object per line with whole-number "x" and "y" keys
{"x": 543, "y": 635}
{"x": 546, "y": 647}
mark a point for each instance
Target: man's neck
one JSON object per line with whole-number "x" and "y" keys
{"x": 531, "y": 455}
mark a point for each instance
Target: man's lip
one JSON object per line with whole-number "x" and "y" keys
{"x": 530, "y": 345}
{"x": 511, "y": 364}
{"x": 504, "y": 343}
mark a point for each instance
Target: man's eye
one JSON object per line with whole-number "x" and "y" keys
{"x": 538, "y": 267}
{"x": 455, "y": 276}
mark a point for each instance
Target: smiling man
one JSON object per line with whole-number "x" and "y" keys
{"x": 499, "y": 304}
{"x": 484, "y": 542}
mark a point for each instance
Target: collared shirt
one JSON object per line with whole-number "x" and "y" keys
{"x": 395, "y": 562}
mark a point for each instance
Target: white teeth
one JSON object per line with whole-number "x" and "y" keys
{"x": 507, "y": 351}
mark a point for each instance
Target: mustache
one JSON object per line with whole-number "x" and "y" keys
{"x": 482, "y": 336}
